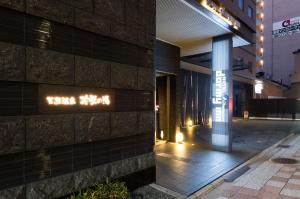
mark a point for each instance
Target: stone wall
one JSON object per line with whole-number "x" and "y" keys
{"x": 74, "y": 46}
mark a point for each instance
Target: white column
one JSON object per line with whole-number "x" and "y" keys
{"x": 221, "y": 96}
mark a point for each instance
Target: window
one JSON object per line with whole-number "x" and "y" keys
{"x": 250, "y": 12}
{"x": 241, "y": 4}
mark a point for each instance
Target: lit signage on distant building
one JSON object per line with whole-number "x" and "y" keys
{"x": 83, "y": 100}
{"x": 221, "y": 12}
{"x": 258, "y": 87}
{"x": 286, "y": 27}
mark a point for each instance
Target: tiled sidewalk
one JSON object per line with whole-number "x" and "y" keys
{"x": 265, "y": 179}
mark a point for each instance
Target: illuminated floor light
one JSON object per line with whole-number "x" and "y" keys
{"x": 190, "y": 123}
{"x": 210, "y": 121}
{"x": 179, "y": 138}
{"x": 162, "y": 135}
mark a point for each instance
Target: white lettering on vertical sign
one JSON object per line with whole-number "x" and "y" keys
{"x": 220, "y": 97}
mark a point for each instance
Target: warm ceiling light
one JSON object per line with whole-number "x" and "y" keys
{"x": 262, "y": 4}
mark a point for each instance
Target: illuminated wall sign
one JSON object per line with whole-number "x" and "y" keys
{"x": 286, "y": 27}
{"x": 221, "y": 12}
{"x": 84, "y": 100}
{"x": 221, "y": 92}
{"x": 69, "y": 99}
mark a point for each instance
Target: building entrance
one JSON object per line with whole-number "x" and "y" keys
{"x": 165, "y": 106}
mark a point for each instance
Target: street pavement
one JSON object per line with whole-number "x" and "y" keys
{"x": 265, "y": 179}
{"x": 186, "y": 168}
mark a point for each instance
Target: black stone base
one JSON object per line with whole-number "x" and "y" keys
{"x": 140, "y": 178}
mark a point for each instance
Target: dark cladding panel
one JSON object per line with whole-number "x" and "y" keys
{"x": 30, "y": 99}
{"x": 11, "y": 26}
{"x": 55, "y": 137}
{"x": 61, "y": 160}
{"x": 145, "y": 100}
{"x": 125, "y": 100}
{"x": 11, "y": 170}
{"x": 46, "y": 34}
{"x": 37, "y": 165}
{"x": 166, "y": 57}
{"x": 10, "y": 98}
{"x": 82, "y": 156}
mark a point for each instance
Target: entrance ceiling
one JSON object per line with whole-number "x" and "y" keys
{"x": 183, "y": 25}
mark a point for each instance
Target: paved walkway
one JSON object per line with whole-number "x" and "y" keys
{"x": 187, "y": 168}
{"x": 265, "y": 179}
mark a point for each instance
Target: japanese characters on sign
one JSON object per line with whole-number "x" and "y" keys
{"x": 83, "y": 100}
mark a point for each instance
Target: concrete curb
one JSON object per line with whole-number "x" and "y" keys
{"x": 167, "y": 191}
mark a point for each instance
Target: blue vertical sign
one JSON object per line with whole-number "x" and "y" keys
{"x": 222, "y": 92}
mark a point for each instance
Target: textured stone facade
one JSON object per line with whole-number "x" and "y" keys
{"x": 12, "y": 60}
{"x": 92, "y": 72}
{"x": 74, "y": 48}
{"x": 12, "y": 135}
{"x": 57, "y": 129}
{"x": 49, "y": 67}
{"x": 66, "y": 184}
{"x": 123, "y": 76}
{"x": 92, "y": 127}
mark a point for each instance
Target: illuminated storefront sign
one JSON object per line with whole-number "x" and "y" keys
{"x": 84, "y": 100}
{"x": 286, "y": 27}
{"x": 221, "y": 92}
{"x": 221, "y": 12}
{"x": 69, "y": 99}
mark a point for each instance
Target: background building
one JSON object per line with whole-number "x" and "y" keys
{"x": 277, "y": 38}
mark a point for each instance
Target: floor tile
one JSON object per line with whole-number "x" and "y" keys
{"x": 275, "y": 183}
{"x": 280, "y": 179}
{"x": 283, "y": 174}
{"x": 294, "y": 181}
{"x": 292, "y": 186}
{"x": 271, "y": 189}
{"x": 290, "y": 192}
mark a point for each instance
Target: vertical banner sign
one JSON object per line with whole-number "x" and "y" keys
{"x": 222, "y": 92}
